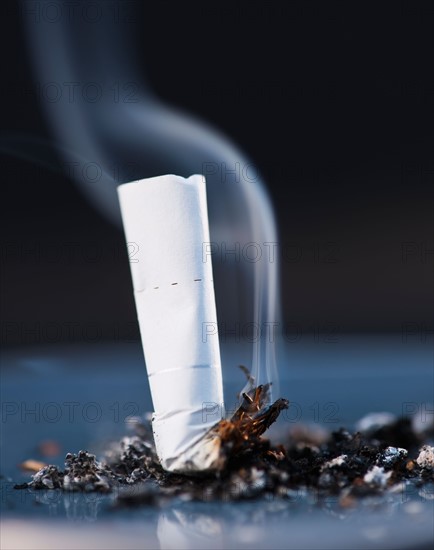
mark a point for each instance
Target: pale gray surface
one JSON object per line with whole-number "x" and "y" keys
{"x": 331, "y": 383}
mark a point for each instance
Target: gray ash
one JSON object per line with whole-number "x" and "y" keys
{"x": 84, "y": 473}
{"x": 48, "y": 477}
{"x": 347, "y": 465}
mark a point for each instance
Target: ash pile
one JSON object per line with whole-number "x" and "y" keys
{"x": 382, "y": 456}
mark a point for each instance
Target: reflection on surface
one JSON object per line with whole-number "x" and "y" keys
{"x": 404, "y": 516}
{"x": 178, "y": 529}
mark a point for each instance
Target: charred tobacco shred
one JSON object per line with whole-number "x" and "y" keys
{"x": 244, "y": 430}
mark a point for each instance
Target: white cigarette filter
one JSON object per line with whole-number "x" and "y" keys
{"x": 166, "y": 226}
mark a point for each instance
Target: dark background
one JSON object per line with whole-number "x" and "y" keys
{"x": 333, "y": 102}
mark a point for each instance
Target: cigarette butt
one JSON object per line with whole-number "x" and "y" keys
{"x": 31, "y": 465}
{"x": 166, "y": 225}
{"x": 49, "y": 448}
